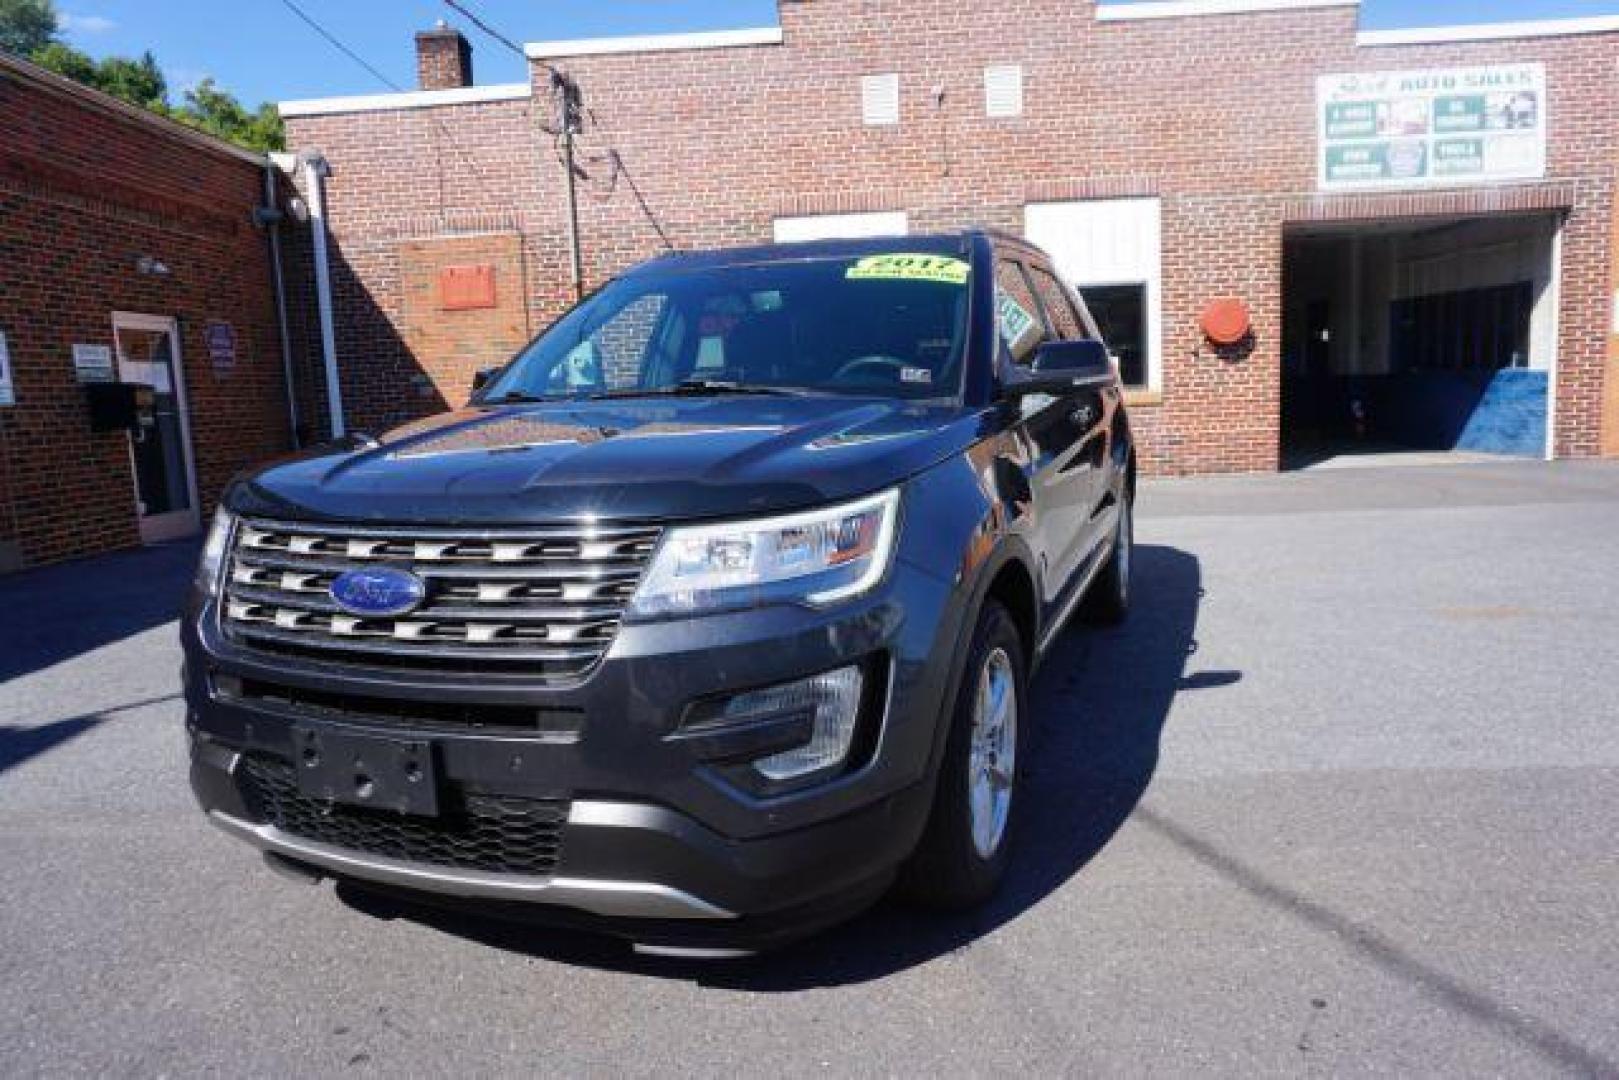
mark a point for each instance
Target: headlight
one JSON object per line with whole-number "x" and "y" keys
{"x": 818, "y": 557}
{"x": 213, "y": 551}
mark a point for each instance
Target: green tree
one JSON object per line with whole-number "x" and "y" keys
{"x": 26, "y": 26}
{"x": 139, "y": 82}
{"x": 65, "y": 60}
{"x": 210, "y": 109}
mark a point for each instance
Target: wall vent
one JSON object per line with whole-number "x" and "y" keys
{"x": 879, "y": 99}
{"x": 1003, "y": 90}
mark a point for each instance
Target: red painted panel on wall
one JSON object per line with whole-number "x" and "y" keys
{"x": 463, "y": 288}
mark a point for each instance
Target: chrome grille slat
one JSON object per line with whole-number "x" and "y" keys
{"x": 319, "y": 601}
{"x": 456, "y": 532}
{"x": 502, "y": 600}
{"x": 617, "y": 571}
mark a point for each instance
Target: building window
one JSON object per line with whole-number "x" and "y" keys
{"x": 879, "y": 99}
{"x": 1109, "y": 251}
{"x": 1003, "y": 90}
{"x": 1120, "y": 312}
{"x": 789, "y": 230}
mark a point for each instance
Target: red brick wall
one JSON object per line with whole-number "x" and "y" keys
{"x": 84, "y": 193}
{"x": 1215, "y": 115}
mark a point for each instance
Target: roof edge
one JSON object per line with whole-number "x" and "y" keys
{"x": 1532, "y": 28}
{"x": 405, "y": 99}
{"x": 646, "y": 43}
{"x": 62, "y": 86}
{"x": 1183, "y": 9}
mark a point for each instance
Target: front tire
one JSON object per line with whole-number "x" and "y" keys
{"x": 964, "y": 852}
{"x": 1109, "y": 599}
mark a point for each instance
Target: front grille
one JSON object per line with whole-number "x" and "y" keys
{"x": 540, "y": 601}
{"x": 496, "y": 834}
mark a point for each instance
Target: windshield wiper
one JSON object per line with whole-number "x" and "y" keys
{"x": 518, "y": 397}
{"x": 699, "y": 388}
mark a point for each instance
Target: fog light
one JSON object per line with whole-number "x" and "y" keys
{"x": 834, "y": 701}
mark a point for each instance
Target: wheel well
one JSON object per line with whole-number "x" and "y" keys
{"x": 1014, "y": 588}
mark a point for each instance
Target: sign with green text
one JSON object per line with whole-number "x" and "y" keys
{"x": 1446, "y": 126}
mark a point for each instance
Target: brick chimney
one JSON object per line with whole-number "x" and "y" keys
{"x": 443, "y": 58}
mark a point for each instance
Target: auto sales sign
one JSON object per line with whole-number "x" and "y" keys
{"x": 1441, "y": 127}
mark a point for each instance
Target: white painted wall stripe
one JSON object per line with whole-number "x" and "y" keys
{"x": 1182, "y": 9}
{"x": 791, "y": 230}
{"x": 410, "y": 99}
{"x": 1431, "y": 35}
{"x": 713, "y": 39}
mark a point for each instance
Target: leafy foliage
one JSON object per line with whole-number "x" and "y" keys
{"x": 219, "y": 113}
{"x": 26, "y": 26}
{"x": 29, "y": 28}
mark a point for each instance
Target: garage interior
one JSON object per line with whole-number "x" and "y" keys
{"x": 1405, "y": 338}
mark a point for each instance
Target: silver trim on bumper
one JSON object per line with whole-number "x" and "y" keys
{"x": 616, "y": 899}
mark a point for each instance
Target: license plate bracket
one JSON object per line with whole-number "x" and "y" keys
{"x": 367, "y": 770}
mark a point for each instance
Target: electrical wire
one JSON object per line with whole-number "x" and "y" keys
{"x": 339, "y": 46}
{"x": 444, "y": 129}
{"x": 561, "y": 82}
{"x": 491, "y": 31}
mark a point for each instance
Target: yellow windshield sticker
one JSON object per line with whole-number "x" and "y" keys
{"x": 938, "y": 268}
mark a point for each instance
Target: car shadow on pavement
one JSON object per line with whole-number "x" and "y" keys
{"x": 57, "y": 612}
{"x": 20, "y": 744}
{"x": 1101, "y": 700}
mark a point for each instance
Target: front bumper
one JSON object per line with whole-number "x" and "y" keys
{"x": 655, "y": 831}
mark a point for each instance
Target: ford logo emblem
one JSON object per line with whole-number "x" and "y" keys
{"x": 378, "y": 593}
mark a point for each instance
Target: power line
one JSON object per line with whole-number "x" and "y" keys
{"x": 556, "y": 73}
{"x": 486, "y": 28}
{"x": 342, "y": 48}
{"x": 336, "y": 43}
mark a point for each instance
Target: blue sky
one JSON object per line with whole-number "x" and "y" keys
{"x": 262, "y": 52}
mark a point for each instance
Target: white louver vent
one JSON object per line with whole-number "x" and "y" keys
{"x": 879, "y": 99}
{"x": 1003, "y": 90}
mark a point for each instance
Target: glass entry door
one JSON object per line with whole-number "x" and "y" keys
{"x": 160, "y": 448}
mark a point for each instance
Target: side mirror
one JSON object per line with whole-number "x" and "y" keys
{"x": 482, "y": 377}
{"x": 1060, "y": 367}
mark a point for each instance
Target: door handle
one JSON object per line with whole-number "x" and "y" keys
{"x": 1083, "y": 416}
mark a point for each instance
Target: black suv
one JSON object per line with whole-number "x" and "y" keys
{"x": 708, "y": 618}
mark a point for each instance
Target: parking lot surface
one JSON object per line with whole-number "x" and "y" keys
{"x": 1340, "y": 797}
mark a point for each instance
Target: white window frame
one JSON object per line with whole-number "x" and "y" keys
{"x": 1053, "y": 226}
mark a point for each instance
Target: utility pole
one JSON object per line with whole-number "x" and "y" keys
{"x": 566, "y": 92}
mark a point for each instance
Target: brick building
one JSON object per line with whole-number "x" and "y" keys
{"x": 1418, "y": 222}
{"x": 129, "y": 254}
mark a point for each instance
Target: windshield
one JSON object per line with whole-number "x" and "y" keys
{"x": 889, "y": 325}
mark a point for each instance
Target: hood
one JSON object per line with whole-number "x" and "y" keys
{"x": 667, "y": 458}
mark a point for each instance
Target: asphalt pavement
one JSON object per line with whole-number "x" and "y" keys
{"x": 1341, "y": 797}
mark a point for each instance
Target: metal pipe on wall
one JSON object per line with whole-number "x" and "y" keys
{"x": 315, "y": 172}
{"x": 271, "y": 217}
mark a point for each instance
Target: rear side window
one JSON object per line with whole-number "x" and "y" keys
{"x": 1064, "y": 319}
{"x": 1017, "y": 313}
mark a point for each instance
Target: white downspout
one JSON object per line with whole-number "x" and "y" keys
{"x": 271, "y": 217}
{"x": 315, "y": 173}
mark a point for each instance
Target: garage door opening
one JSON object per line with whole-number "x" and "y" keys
{"x": 1403, "y": 339}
